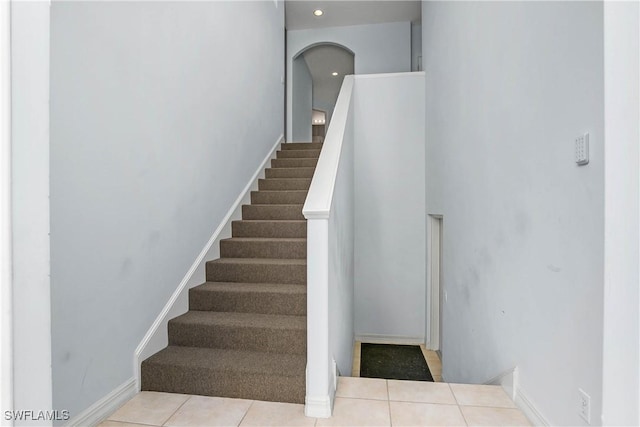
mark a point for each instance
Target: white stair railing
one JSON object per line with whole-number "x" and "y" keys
{"x": 329, "y": 212}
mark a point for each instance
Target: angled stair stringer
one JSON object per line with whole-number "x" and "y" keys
{"x": 245, "y": 335}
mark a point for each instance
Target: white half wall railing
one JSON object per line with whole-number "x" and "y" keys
{"x": 330, "y": 274}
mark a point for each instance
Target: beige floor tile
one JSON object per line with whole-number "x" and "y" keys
{"x": 276, "y": 414}
{"x": 109, "y": 423}
{"x": 479, "y": 416}
{"x": 425, "y": 414}
{"x": 149, "y": 407}
{"x": 481, "y": 395}
{"x": 420, "y": 391}
{"x": 362, "y": 388}
{"x": 357, "y": 412}
{"x": 209, "y": 411}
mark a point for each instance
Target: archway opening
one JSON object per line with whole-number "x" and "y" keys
{"x": 317, "y": 75}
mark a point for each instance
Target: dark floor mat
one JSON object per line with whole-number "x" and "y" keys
{"x": 394, "y": 362}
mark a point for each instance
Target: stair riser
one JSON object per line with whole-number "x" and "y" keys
{"x": 284, "y": 184}
{"x": 294, "y": 163}
{"x": 289, "y": 172}
{"x": 279, "y": 197}
{"x": 207, "y": 382}
{"x": 248, "y": 302}
{"x": 273, "y": 249}
{"x": 298, "y": 154}
{"x": 301, "y": 146}
{"x": 256, "y": 273}
{"x": 268, "y": 229}
{"x": 275, "y": 212}
{"x": 282, "y": 341}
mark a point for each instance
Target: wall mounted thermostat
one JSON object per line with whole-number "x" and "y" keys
{"x": 582, "y": 149}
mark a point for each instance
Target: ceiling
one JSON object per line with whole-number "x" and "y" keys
{"x": 322, "y": 61}
{"x": 339, "y": 13}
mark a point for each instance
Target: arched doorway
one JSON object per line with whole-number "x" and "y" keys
{"x": 317, "y": 74}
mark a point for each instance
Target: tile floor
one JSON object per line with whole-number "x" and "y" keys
{"x": 359, "y": 402}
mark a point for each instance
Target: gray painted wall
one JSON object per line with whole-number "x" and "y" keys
{"x": 302, "y": 100}
{"x": 160, "y": 114}
{"x": 390, "y": 226}
{"x": 416, "y": 46}
{"x": 508, "y": 88}
{"x": 378, "y": 48}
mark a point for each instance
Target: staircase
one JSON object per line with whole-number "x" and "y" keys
{"x": 245, "y": 334}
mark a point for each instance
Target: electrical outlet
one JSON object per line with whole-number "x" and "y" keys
{"x": 584, "y": 406}
{"x": 582, "y": 149}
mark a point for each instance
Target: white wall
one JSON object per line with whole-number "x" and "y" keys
{"x": 30, "y": 210}
{"x": 390, "y": 228}
{"x": 622, "y": 137}
{"x": 160, "y": 114}
{"x": 341, "y": 254}
{"x": 6, "y": 281}
{"x": 378, "y": 48}
{"x": 416, "y": 46}
{"x": 302, "y": 101}
{"x": 508, "y": 88}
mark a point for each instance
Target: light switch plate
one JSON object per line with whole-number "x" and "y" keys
{"x": 582, "y": 149}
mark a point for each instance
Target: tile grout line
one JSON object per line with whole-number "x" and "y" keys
{"x": 177, "y": 409}
{"x": 246, "y": 412}
{"x": 389, "y": 403}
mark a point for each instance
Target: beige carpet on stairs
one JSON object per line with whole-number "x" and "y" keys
{"x": 245, "y": 334}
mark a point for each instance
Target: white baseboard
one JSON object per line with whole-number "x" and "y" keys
{"x": 156, "y": 337}
{"x": 508, "y": 380}
{"x": 106, "y": 406}
{"x": 529, "y": 409}
{"x": 318, "y": 407}
{"x": 389, "y": 339}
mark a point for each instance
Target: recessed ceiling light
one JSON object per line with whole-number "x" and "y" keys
{"x": 318, "y": 12}
{"x": 334, "y": 73}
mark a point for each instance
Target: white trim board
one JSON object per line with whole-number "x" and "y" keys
{"x": 156, "y": 337}
{"x": 6, "y": 285}
{"x": 529, "y": 409}
{"x": 389, "y": 339}
{"x": 106, "y": 406}
{"x": 509, "y": 382}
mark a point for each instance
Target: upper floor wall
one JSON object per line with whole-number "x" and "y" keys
{"x": 377, "y": 48}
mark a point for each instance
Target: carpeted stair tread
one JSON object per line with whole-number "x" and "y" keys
{"x": 265, "y": 298}
{"x": 294, "y": 163}
{"x": 269, "y": 228}
{"x": 272, "y": 211}
{"x": 263, "y": 247}
{"x": 257, "y": 270}
{"x": 302, "y": 146}
{"x": 249, "y": 320}
{"x": 284, "y": 183}
{"x": 300, "y": 172}
{"x": 279, "y": 197}
{"x": 226, "y": 373}
{"x": 249, "y": 331}
{"x": 241, "y": 361}
{"x": 298, "y": 154}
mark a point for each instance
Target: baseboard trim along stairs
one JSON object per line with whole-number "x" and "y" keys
{"x": 106, "y": 406}
{"x": 245, "y": 332}
{"x": 157, "y": 337}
